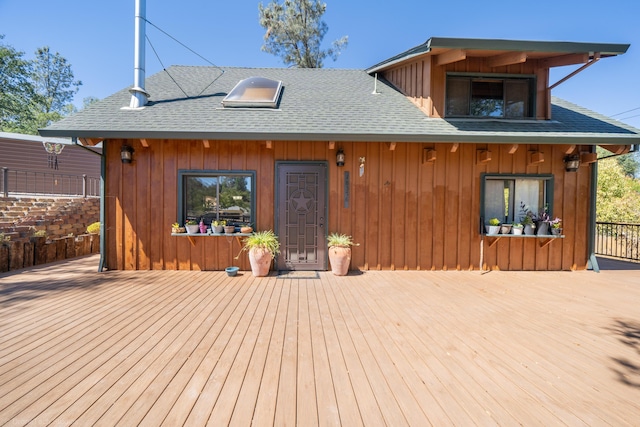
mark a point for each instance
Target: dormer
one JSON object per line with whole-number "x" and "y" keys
{"x": 456, "y": 78}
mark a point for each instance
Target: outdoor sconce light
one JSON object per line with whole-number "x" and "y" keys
{"x": 572, "y": 163}
{"x": 340, "y": 157}
{"x": 126, "y": 154}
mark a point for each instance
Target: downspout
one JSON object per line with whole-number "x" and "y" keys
{"x": 591, "y": 245}
{"x": 103, "y": 175}
{"x": 103, "y": 169}
{"x": 139, "y": 96}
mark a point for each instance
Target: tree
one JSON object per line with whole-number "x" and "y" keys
{"x": 629, "y": 164}
{"x": 295, "y": 31}
{"x": 34, "y": 92}
{"x": 16, "y": 90}
{"x": 54, "y": 85}
{"x": 618, "y": 194}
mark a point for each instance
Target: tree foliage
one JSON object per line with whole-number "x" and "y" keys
{"x": 38, "y": 92}
{"x": 17, "y": 89}
{"x": 618, "y": 194}
{"x": 295, "y": 31}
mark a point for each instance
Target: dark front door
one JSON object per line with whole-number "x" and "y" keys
{"x": 301, "y": 213}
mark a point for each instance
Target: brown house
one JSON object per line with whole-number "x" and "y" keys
{"x": 436, "y": 141}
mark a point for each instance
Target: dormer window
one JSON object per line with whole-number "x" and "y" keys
{"x": 490, "y": 96}
{"x": 254, "y": 92}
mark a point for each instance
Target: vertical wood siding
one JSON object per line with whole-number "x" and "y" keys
{"x": 404, "y": 213}
{"x": 425, "y": 84}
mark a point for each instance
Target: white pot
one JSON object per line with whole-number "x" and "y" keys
{"x": 492, "y": 229}
{"x": 517, "y": 231}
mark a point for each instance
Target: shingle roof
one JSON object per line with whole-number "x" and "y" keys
{"x": 316, "y": 105}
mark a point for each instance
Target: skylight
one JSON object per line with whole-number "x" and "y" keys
{"x": 254, "y": 92}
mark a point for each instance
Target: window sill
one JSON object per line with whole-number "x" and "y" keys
{"x": 191, "y": 236}
{"x": 544, "y": 239}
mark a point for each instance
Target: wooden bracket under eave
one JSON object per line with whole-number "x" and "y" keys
{"x": 588, "y": 158}
{"x": 144, "y": 143}
{"x": 536, "y": 157}
{"x": 484, "y": 156}
{"x": 269, "y": 144}
{"x": 392, "y": 146}
{"x": 454, "y": 147}
{"x": 90, "y": 141}
{"x": 512, "y": 149}
{"x": 332, "y": 145}
{"x": 428, "y": 155}
{"x": 206, "y": 143}
{"x": 570, "y": 149}
{"x": 617, "y": 149}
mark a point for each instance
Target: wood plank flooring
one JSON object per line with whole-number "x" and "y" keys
{"x": 172, "y": 348}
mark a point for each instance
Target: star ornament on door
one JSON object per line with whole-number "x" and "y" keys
{"x": 301, "y": 201}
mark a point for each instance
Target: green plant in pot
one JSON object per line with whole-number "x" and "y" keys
{"x": 493, "y": 227}
{"x": 192, "y": 226}
{"x": 218, "y": 226}
{"x": 262, "y": 246}
{"x": 340, "y": 253}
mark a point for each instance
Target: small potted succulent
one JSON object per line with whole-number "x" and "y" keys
{"x": 493, "y": 227}
{"x": 340, "y": 253}
{"x": 516, "y": 228}
{"x": 556, "y": 227}
{"x": 175, "y": 228}
{"x": 218, "y": 226}
{"x": 192, "y": 226}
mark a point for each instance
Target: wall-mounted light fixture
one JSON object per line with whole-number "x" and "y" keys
{"x": 340, "y": 157}
{"x": 126, "y": 154}
{"x": 572, "y": 162}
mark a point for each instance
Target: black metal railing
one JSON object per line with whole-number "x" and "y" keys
{"x": 15, "y": 181}
{"x": 619, "y": 240}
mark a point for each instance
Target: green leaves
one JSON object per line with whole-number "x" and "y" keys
{"x": 35, "y": 92}
{"x": 295, "y": 30}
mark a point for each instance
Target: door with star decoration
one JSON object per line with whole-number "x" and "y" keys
{"x": 301, "y": 214}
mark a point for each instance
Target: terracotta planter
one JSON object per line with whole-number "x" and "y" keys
{"x": 340, "y": 258}
{"x": 260, "y": 260}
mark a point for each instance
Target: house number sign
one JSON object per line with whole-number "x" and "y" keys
{"x": 346, "y": 189}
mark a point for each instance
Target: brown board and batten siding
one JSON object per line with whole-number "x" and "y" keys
{"x": 405, "y": 213}
{"x": 424, "y": 83}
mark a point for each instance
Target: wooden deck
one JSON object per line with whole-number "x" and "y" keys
{"x": 377, "y": 348}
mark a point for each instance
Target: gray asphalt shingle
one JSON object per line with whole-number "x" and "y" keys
{"x": 316, "y": 104}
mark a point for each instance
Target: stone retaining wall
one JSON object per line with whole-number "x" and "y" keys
{"x": 15, "y": 255}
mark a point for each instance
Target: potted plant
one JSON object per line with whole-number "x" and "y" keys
{"x": 218, "y": 226}
{"x": 340, "y": 253}
{"x": 493, "y": 227}
{"x": 542, "y": 222}
{"x": 229, "y": 229}
{"x": 262, "y": 246}
{"x": 529, "y": 226}
{"x": 527, "y": 220}
{"x": 246, "y": 229}
{"x": 517, "y": 228}
{"x": 505, "y": 228}
{"x": 192, "y": 226}
{"x": 556, "y": 226}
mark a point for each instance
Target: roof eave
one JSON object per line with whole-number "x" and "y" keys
{"x": 604, "y": 49}
{"x": 534, "y": 138}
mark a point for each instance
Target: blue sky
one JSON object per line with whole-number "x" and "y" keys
{"x": 97, "y": 37}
